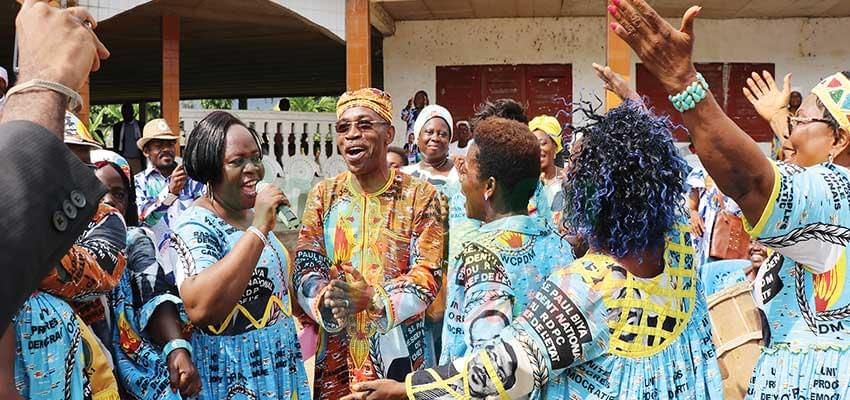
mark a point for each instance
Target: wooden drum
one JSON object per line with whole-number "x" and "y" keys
{"x": 737, "y": 335}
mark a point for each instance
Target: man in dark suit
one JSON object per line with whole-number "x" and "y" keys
{"x": 125, "y": 134}
{"x": 48, "y": 194}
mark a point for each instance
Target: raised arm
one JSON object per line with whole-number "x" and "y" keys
{"x": 771, "y": 103}
{"x": 729, "y": 155}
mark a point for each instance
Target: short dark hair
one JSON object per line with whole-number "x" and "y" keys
{"x": 204, "y": 155}
{"x": 283, "y": 104}
{"x": 400, "y": 152}
{"x": 508, "y": 152}
{"x": 503, "y": 108}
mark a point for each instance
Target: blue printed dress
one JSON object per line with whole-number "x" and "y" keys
{"x": 460, "y": 229}
{"x": 145, "y": 285}
{"x": 254, "y": 353}
{"x": 494, "y": 277}
{"x": 50, "y": 362}
{"x": 803, "y": 286}
{"x": 595, "y": 331}
{"x": 548, "y": 201}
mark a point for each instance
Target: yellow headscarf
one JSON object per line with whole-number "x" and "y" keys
{"x": 550, "y": 126}
{"x": 374, "y": 99}
{"x": 834, "y": 93}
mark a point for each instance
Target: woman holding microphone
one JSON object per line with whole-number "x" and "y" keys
{"x": 233, "y": 273}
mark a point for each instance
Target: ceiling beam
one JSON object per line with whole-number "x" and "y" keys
{"x": 381, "y": 19}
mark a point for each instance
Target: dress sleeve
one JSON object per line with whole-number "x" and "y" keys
{"x": 563, "y": 326}
{"x": 411, "y": 294}
{"x": 198, "y": 245}
{"x": 806, "y": 216}
{"x": 311, "y": 274}
{"x": 148, "y": 277}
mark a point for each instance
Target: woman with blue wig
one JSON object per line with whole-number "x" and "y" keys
{"x": 801, "y": 209}
{"x": 626, "y": 320}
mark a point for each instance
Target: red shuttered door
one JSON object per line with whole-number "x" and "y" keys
{"x": 541, "y": 89}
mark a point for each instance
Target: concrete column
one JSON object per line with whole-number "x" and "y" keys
{"x": 171, "y": 72}
{"x": 358, "y": 45}
{"x": 618, "y": 56}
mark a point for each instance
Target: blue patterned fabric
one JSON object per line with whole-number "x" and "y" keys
{"x": 50, "y": 362}
{"x": 254, "y": 353}
{"x": 151, "y": 195}
{"x": 145, "y": 285}
{"x": 595, "y": 331}
{"x": 802, "y": 287}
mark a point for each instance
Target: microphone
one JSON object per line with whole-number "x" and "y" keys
{"x": 284, "y": 214}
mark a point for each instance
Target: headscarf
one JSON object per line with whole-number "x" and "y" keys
{"x": 430, "y": 112}
{"x": 98, "y": 156}
{"x": 550, "y": 126}
{"x": 77, "y": 133}
{"x": 374, "y": 99}
{"x": 834, "y": 93}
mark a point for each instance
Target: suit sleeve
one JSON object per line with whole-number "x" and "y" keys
{"x": 39, "y": 175}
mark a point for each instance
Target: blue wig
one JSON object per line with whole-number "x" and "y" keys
{"x": 624, "y": 190}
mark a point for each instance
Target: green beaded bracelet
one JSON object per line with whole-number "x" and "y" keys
{"x": 693, "y": 94}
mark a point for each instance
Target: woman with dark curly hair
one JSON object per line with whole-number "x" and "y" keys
{"x": 624, "y": 321}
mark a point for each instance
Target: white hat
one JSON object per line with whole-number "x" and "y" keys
{"x": 429, "y": 112}
{"x": 4, "y": 75}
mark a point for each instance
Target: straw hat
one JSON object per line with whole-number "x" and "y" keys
{"x": 77, "y": 133}
{"x": 155, "y": 129}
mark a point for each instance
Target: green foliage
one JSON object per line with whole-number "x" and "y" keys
{"x": 217, "y": 104}
{"x": 104, "y": 116}
{"x": 313, "y": 104}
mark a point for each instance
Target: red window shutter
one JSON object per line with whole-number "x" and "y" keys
{"x": 459, "y": 90}
{"x": 739, "y": 108}
{"x": 549, "y": 90}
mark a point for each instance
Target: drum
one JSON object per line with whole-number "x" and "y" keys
{"x": 737, "y": 335}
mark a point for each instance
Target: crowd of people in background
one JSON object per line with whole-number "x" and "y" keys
{"x": 467, "y": 264}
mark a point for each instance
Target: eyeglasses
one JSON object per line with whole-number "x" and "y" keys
{"x": 793, "y": 122}
{"x": 342, "y": 126}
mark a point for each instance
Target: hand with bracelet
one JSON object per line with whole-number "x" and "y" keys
{"x": 65, "y": 57}
{"x": 729, "y": 155}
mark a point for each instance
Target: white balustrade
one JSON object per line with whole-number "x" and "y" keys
{"x": 291, "y": 138}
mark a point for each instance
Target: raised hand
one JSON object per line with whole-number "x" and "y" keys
{"x": 615, "y": 83}
{"x": 768, "y": 100}
{"x": 664, "y": 51}
{"x": 58, "y": 45}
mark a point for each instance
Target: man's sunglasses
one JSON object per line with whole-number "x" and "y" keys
{"x": 342, "y": 127}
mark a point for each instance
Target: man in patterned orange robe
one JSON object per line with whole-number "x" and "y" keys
{"x": 369, "y": 258}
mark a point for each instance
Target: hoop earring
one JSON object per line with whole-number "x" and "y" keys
{"x": 831, "y": 158}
